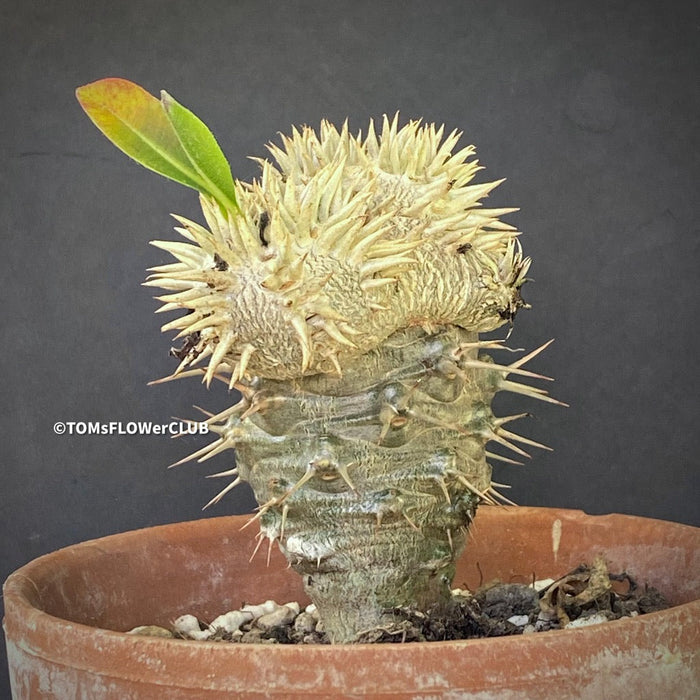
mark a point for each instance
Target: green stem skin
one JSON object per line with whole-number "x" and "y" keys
{"x": 368, "y": 481}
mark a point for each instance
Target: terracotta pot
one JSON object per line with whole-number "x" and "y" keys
{"x": 66, "y": 612}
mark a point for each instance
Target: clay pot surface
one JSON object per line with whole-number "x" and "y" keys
{"x": 66, "y": 614}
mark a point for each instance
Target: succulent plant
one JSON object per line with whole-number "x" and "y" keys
{"x": 342, "y": 294}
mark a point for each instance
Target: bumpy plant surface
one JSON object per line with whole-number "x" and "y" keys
{"x": 342, "y": 294}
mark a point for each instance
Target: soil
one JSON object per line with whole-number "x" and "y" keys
{"x": 587, "y": 595}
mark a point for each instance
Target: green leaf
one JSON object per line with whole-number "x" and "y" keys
{"x": 137, "y": 123}
{"x": 202, "y": 149}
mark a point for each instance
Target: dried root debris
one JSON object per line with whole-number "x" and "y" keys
{"x": 591, "y": 593}
{"x": 587, "y": 595}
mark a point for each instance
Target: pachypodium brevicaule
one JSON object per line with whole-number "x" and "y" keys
{"x": 342, "y": 294}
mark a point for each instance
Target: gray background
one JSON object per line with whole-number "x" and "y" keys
{"x": 589, "y": 109}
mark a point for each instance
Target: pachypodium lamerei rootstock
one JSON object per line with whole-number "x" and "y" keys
{"x": 342, "y": 294}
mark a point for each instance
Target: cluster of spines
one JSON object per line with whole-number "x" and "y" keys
{"x": 319, "y": 245}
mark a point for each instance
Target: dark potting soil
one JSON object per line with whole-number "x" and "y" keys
{"x": 587, "y": 595}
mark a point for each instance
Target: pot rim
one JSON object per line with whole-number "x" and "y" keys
{"x": 239, "y": 665}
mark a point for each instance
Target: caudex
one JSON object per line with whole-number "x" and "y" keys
{"x": 342, "y": 294}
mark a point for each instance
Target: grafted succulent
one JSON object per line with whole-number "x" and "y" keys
{"x": 342, "y": 294}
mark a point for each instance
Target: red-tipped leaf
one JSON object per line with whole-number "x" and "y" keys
{"x": 180, "y": 148}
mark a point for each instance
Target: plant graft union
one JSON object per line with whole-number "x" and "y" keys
{"x": 343, "y": 294}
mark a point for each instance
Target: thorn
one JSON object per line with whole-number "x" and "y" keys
{"x": 227, "y": 413}
{"x": 246, "y": 390}
{"x": 310, "y": 472}
{"x": 227, "y": 444}
{"x": 228, "y": 472}
{"x": 209, "y": 414}
{"x": 198, "y": 453}
{"x": 347, "y": 328}
{"x": 486, "y": 345}
{"x": 269, "y": 550}
{"x": 223, "y": 492}
{"x": 373, "y": 283}
{"x": 410, "y": 522}
{"x": 497, "y": 437}
{"x": 285, "y": 510}
{"x": 196, "y": 359}
{"x": 159, "y": 270}
{"x": 443, "y": 485}
{"x": 508, "y": 369}
{"x": 534, "y": 353}
{"x": 246, "y": 354}
{"x": 175, "y": 324}
{"x": 386, "y": 414}
{"x": 186, "y": 253}
{"x": 261, "y": 511}
{"x": 498, "y": 422}
{"x": 303, "y": 336}
{"x": 325, "y": 310}
{"x": 233, "y": 378}
{"x": 449, "y": 539}
{"x": 343, "y": 471}
{"x": 370, "y": 267}
{"x": 500, "y": 458}
{"x": 523, "y": 440}
{"x": 334, "y": 332}
{"x": 259, "y": 537}
{"x": 171, "y": 377}
{"x": 531, "y": 391}
{"x": 253, "y": 409}
{"x": 259, "y": 405}
{"x": 336, "y": 364}
{"x": 501, "y": 497}
{"x": 224, "y": 345}
{"x": 483, "y": 495}
{"x": 186, "y": 360}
